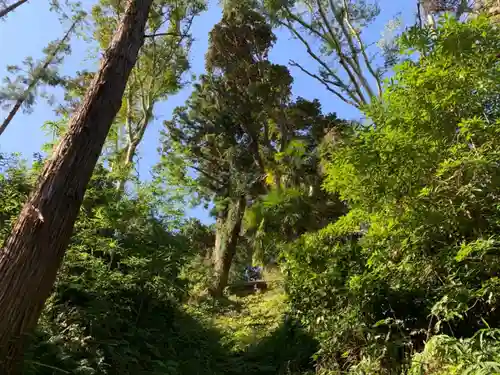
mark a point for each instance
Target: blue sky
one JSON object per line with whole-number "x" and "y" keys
{"x": 28, "y": 30}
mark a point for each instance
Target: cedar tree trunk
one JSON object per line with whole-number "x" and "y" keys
{"x": 34, "y": 250}
{"x": 228, "y": 232}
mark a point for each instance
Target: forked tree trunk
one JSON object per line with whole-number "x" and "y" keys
{"x": 34, "y": 250}
{"x": 10, "y": 8}
{"x": 227, "y": 235}
{"x": 131, "y": 152}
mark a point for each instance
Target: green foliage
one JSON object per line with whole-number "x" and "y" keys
{"x": 255, "y": 317}
{"x": 258, "y": 335}
{"x": 295, "y": 202}
{"x": 14, "y": 189}
{"x": 417, "y": 253}
{"x": 158, "y": 74}
{"x": 443, "y": 354}
{"x": 198, "y": 274}
{"x": 232, "y": 126}
{"x": 117, "y": 304}
{"x": 118, "y": 288}
{"x": 222, "y": 133}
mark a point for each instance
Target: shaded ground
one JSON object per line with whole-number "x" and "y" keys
{"x": 238, "y": 335}
{"x": 255, "y": 336}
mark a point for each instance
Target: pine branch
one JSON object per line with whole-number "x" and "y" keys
{"x": 10, "y": 8}
{"x": 36, "y": 79}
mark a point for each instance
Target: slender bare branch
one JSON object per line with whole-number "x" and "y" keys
{"x": 361, "y": 45}
{"x": 352, "y": 69}
{"x": 354, "y": 52}
{"x": 333, "y": 43}
{"x": 354, "y": 96}
{"x": 327, "y": 86}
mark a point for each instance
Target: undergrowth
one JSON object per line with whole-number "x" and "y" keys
{"x": 234, "y": 335}
{"x": 257, "y": 334}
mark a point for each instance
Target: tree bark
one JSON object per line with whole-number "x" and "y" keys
{"x": 10, "y": 8}
{"x": 36, "y": 79}
{"x": 131, "y": 151}
{"x": 127, "y": 166}
{"x": 228, "y": 232}
{"x": 35, "y": 248}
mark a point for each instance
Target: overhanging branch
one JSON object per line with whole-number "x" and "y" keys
{"x": 166, "y": 34}
{"x": 326, "y": 84}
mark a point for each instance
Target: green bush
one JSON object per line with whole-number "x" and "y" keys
{"x": 115, "y": 308}
{"x": 445, "y": 355}
{"x": 417, "y": 254}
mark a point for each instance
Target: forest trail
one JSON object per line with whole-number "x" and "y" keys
{"x": 254, "y": 334}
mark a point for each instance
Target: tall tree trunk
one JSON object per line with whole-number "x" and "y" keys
{"x": 34, "y": 250}
{"x": 10, "y": 8}
{"x": 36, "y": 78}
{"x": 220, "y": 221}
{"x": 127, "y": 166}
{"x": 226, "y": 240}
{"x": 132, "y": 146}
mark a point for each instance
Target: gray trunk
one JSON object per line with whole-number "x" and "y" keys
{"x": 226, "y": 240}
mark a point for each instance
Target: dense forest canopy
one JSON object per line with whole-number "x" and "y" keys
{"x": 321, "y": 200}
